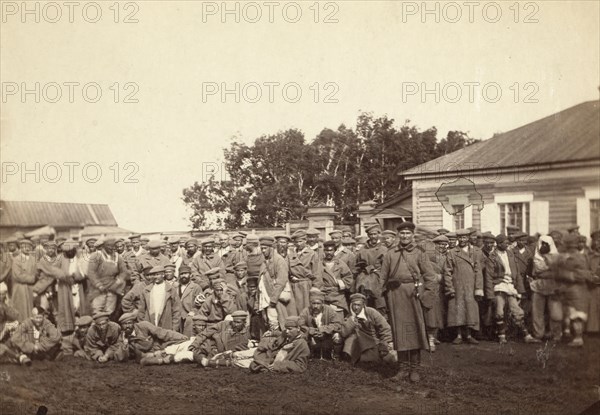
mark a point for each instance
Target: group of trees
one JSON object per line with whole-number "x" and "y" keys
{"x": 278, "y": 177}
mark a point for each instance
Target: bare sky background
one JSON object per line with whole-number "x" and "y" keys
{"x": 371, "y": 51}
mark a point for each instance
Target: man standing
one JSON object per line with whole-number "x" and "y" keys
{"x": 160, "y": 303}
{"x": 205, "y": 262}
{"x": 341, "y": 253}
{"x": 276, "y": 297}
{"x": 435, "y": 317}
{"x": 502, "y": 270}
{"x": 188, "y": 291}
{"x": 337, "y": 279}
{"x": 368, "y": 336}
{"x": 107, "y": 275}
{"x": 408, "y": 282}
{"x": 283, "y": 243}
{"x": 523, "y": 256}
{"x": 23, "y": 277}
{"x": 254, "y": 256}
{"x": 303, "y": 272}
{"x": 312, "y": 240}
{"x": 152, "y": 258}
{"x": 368, "y": 282}
{"x": 463, "y": 282}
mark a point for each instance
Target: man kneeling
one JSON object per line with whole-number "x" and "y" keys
{"x": 287, "y": 353}
{"x": 368, "y": 336}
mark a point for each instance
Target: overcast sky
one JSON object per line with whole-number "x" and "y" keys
{"x": 377, "y": 57}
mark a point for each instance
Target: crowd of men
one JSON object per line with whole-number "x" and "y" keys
{"x": 271, "y": 303}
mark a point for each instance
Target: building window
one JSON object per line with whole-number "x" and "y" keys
{"x": 594, "y": 214}
{"x": 515, "y": 214}
{"x": 459, "y": 216}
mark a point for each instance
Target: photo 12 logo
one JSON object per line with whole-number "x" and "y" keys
{"x": 55, "y": 92}
{"x": 70, "y": 171}
{"x": 69, "y": 11}
{"x": 470, "y": 11}
{"x": 455, "y": 92}
{"x": 269, "y": 11}
{"x": 255, "y": 92}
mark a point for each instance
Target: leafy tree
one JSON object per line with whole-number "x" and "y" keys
{"x": 278, "y": 177}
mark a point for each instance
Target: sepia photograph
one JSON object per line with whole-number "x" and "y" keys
{"x": 302, "y": 207}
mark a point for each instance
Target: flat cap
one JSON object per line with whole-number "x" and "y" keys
{"x": 282, "y": 236}
{"x": 237, "y": 236}
{"x": 463, "y": 232}
{"x": 134, "y": 236}
{"x": 184, "y": 269}
{"x": 358, "y": 297}
{"x": 83, "y": 321}
{"x": 389, "y": 233}
{"x": 512, "y": 228}
{"x": 267, "y": 240}
{"x": 335, "y": 232}
{"x": 316, "y": 293}
{"x": 239, "y": 314}
{"x": 25, "y": 242}
{"x": 191, "y": 241}
{"x": 312, "y": 232}
{"x": 501, "y": 238}
{"x": 595, "y": 233}
{"x": 300, "y": 233}
{"x": 252, "y": 238}
{"x": 373, "y": 227}
{"x": 241, "y": 265}
{"x": 327, "y": 244}
{"x": 155, "y": 243}
{"x": 440, "y": 239}
{"x": 348, "y": 241}
{"x": 292, "y": 321}
{"x": 218, "y": 281}
{"x": 128, "y": 317}
{"x": 207, "y": 241}
{"x": 101, "y": 316}
{"x": 442, "y": 231}
{"x": 451, "y": 235}
{"x": 406, "y": 226}
{"x": 156, "y": 270}
{"x": 488, "y": 236}
{"x": 573, "y": 228}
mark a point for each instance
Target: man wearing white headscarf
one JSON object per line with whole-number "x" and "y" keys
{"x": 545, "y": 291}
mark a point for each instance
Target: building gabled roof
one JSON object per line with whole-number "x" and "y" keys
{"x": 570, "y": 135}
{"x": 13, "y": 213}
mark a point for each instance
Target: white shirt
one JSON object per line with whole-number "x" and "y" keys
{"x": 157, "y": 301}
{"x": 318, "y": 319}
{"x": 504, "y": 257}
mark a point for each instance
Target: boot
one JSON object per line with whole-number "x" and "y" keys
{"x": 403, "y": 367}
{"x": 24, "y": 360}
{"x": 414, "y": 363}
{"x": 151, "y": 361}
{"x": 431, "y": 341}
{"x": 577, "y": 334}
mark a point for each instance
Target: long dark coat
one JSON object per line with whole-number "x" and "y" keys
{"x": 402, "y": 269}
{"x": 464, "y": 279}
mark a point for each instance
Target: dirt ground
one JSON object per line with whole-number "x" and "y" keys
{"x": 483, "y": 379}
